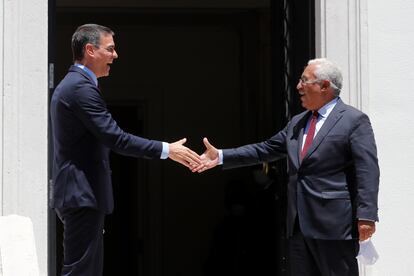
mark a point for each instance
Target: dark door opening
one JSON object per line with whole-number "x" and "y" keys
{"x": 188, "y": 73}
{"x": 124, "y": 227}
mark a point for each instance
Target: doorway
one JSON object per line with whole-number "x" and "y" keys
{"x": 190, "y": 73}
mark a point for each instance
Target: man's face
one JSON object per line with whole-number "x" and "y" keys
{"x": 310, "y": 90}
{"x": 104, "y": 56}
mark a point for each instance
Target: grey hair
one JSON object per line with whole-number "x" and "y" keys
{"x": 327, "y": 70}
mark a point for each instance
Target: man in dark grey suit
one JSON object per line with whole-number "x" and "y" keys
{"x": 83, "y": 134}
{"x": 333, "y": 175}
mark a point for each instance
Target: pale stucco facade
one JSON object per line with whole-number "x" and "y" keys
{"x": 23, "y": 113}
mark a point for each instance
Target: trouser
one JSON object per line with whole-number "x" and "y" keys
{"x": 82, "y": 241}
{"x": 313, "y": 257}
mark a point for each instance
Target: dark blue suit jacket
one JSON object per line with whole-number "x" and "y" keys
{"x": 337, "y": 181}
{"x": 83, "y": 133}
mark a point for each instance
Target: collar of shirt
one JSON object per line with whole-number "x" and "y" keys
{"x": 324, "y": 112}
{"x": 88, "y": 71}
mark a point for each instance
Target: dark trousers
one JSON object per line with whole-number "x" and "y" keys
{"x": 82, "y": 241}
{"x": 312, "y": 257}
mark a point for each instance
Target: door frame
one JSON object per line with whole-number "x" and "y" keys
{"x": 305, "y": 45}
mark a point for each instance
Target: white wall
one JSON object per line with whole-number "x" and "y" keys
{"x": 391, "y": 73}
{"x": 373, "y": 40}
{"x": 23, "y": 115}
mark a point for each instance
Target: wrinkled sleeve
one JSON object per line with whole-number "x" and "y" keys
{"x": 364, "y": 153}
{"x": 91, "y": 109}
{"x": 270, "y": 150}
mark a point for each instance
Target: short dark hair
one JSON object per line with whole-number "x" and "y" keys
{"x": 88, "y": 33}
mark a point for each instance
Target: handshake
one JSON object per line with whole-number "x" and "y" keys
{"x": 196, "y": 163}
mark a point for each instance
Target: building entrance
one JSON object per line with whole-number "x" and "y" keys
{"x": 188, "y": 71}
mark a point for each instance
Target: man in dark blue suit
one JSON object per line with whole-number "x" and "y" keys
{"x": 333, "y": 175}
{"x": 83, "y": 134}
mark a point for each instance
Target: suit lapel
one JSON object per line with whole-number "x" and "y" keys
{"x": 330, "y": 122}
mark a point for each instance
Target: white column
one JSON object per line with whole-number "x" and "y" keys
{"x": 341, "y": 36}
{"x": 23, "y": 106}
{"x": 2, "y": 38}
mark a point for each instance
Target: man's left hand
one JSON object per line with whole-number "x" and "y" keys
{"x": 366, "y": 229}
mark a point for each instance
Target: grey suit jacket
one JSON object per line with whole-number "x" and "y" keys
{"x": 337, "y": 181}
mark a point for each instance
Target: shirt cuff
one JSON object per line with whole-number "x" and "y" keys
{"x": 366, "y": 219}
{"x": 165, "y": 150}
{"x": 220, "y": 153}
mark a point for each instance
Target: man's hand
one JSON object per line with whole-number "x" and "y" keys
{"x": 366, "y": 229}
{"x": 183, "y": 155}
{"x": 209, "y": 159}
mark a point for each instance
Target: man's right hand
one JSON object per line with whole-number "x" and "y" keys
{"x": 183, "y": 155}
{"x": 209, "y": 159}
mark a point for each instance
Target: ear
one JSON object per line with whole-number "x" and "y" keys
{"x": 89, "y": 49}
{"x": 325, "y": 84}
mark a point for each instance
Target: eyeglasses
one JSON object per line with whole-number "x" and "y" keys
{"x": 304, "y": 81}
{"x": 110, "y": 49}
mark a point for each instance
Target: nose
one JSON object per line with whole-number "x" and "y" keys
{"x": 115, "y": 54}
{"x": 299, "y": 85}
